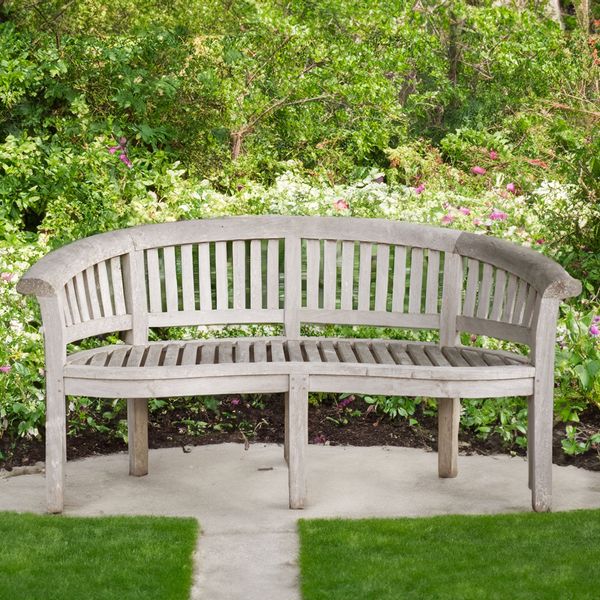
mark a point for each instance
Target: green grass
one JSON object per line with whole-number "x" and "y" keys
{"x": 505, "y": 557}
{"x": 109, "y": 558}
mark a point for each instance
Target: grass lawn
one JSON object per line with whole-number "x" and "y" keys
{"x": 121, "y": 558}
{"x": 503, "y": 557}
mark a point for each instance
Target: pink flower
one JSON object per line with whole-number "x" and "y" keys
{"x": 5, "y": 369}
{"x": 540, "y": 241}
{"x": 6, "y": 276}
{"x": 477, "y": 222}
{"x": 125, "y": 160}
{"x": 493, "y": 155}
{"x": 379, "y": 178}
{"x": 234, "y": 401}
{"x": 447, "y": 218}
{"x": 511, "y": 187}
{"x": 596, "y": 319}
{"x": 419, "y": 189}
{"x": 594, "y": 332}
{"x": 113, "y": 149}
{"x": 473, "y": 338}
{"x": 319, "y": 439}
{"x": 464, "y": 211}
{"x": 478, "y": 170}
{"x": 341, "y": 204}
{"x": 498, "y": 215}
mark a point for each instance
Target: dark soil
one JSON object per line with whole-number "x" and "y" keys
{"x": 242, "y": 421}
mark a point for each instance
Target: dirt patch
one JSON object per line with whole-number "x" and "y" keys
{"x": 239, "y": 420}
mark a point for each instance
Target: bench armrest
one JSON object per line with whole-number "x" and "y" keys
{"x": 544, "y": 274}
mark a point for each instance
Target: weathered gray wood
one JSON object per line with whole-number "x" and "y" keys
{"x": 382, "y": 354}
{"x": 448, "y": 424}
{"x": 346, "y": 353}
{"x": 92, "y": 290}
{"x": 154, "y": 280}
{"x": 472, "y": 285}
{"x": 399, "y": 282}
{"x": 242, "y": 351}
{"x": 509, "y": 300}
{"x": 298, "y": 439}
{"x": 328, "y": 350}
{"x": 292, "y": 287}
{"x": 170, "y": 279}
{"x": 107, "y": 307}
{"x": 260, "y": 351}
{"x": 347, "y": 293}
{"x": 273, "y": 274}
{"x": 499, "y": 292}
{"x": 312, "y": 351}
{"x": 82, "y": 298}
{"x": 277, "y": 353}
{"x": 72, "y": 300}
{"x": 483, "y": 297}
{"x": 286, "y": 427}
{"x": 117, "y": 285}
{"x": 382, "y": 275}
{"x": 295, "y": 351}
{"x": 313, "y": 261}
{"x": 451, "y": 299}
{"x": 432, "y": 290}
{"x": 416, "y": 280}
{"x": 364, "y": 277}
{"x": 239, "y": 274}
{"x": 369, "y": 317}
{"x": 329, "y": 274}
{"x": 204, "y": 277}
{"x": 520, "y": 300}
{"x": 256, "y": 285}
{"x": 540, "y": 423}
{"x": 221, "y": 275}
{"x": 497, "y": 329}
{"x": 187, "y": 277}
{"x": 56, "y": 433}
{"x": 363, "y": 352}
{"x": 398, "y": 352}
{"x": 530, "y": 304}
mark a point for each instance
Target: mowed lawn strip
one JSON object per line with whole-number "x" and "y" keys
{"x": 45, "y": 557}
{"x": 497, "y": 557}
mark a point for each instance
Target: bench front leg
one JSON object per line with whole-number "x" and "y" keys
{"x": 286, "y": 426}
{"x": 56, "y": 442}
{"x": 137, "y": 435}
{"x": 448, "y": 423}
{"x": 297, "y": 438}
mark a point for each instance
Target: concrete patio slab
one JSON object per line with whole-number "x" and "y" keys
{"x": 249, "y": 545}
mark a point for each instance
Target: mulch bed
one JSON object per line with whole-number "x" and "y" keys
{"x": 246, "y": 423}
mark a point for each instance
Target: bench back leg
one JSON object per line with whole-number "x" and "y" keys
{"x": 448, "y": 422}
{"x": 137, "y": 435}
{"x": 297, "y": 436}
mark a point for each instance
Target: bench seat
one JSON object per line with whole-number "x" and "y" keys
{"x": 332, "y": 364}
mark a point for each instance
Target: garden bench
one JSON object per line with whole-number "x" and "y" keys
{"x": 290, "y": 271}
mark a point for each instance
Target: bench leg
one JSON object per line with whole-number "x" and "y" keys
{"x": 137, "y": 435}
{"x": 286, "y": 427}
{"x": 56, "y": 443}
{"x": 539, "y": 444}
{"x": 298, "y": 438}
{"x": 448, "y": 422}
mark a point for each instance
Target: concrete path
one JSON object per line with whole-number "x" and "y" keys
{"x": 249, "y": 546}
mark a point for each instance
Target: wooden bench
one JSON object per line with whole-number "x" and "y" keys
{"x": 288, "y": 271}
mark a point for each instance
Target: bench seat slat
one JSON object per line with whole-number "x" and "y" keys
{"x": 295, "y": 351}
{"x": 382, "y": 354}
{"x": 329, "y": 353}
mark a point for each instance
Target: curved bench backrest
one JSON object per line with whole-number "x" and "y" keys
{"x": 293, "y": 270}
